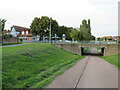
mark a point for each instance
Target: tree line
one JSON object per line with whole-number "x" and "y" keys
{"x": 2, "y": 25}
{"x": 41, "y": 26}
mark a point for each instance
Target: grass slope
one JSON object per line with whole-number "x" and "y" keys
{"x": 34, "y": 65}
{"x": 113, "y": 59}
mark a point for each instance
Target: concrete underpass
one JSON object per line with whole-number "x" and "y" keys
{"x": 90, "y": 72}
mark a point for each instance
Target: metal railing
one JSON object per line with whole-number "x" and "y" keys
{"x": 72, "y": 42}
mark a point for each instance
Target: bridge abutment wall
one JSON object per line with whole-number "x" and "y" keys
{"x": 73, "y": 48}
{"x": 109, "y": 49}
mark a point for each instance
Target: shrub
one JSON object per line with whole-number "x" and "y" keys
{"x": 5, "y": 36}
{"x": 21, "y": 40}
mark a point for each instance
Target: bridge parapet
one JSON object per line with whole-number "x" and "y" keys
{"x": 109, "y": 49}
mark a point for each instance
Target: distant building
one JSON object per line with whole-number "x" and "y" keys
{"x": 112, "y": 38}
{"x": 116, "y": 38}
{"x": 21, "y": 32}
{"x": 107, "y": 38}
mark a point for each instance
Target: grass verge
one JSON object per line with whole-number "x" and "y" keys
{"x": 113, "y": 59}
{"x": 34, "y": 65}
{"x": 10, "y": 44}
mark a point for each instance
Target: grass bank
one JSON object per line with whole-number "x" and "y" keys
{"x": 113, "y": 59}
{"x": 34, "y": 65}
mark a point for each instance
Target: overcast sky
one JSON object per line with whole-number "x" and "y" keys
{"x": 103, "y": 13}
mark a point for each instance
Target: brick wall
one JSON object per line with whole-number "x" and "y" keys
{"x": 10, "y": 40}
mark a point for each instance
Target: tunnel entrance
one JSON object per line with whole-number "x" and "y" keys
{"x": 94, "y": 51}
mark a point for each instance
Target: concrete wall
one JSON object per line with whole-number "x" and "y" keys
{"x": 74, "y": 48}
{"x": 109, "y": 49}
{"x": 10, "y": 40}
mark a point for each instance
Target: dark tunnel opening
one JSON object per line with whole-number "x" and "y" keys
{"x": 96, "y": 51}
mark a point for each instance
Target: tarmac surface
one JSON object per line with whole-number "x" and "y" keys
{"x": 90, "y": 72}
{"x": 14, "y": 45}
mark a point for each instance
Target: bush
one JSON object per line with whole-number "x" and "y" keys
{"x": 5, "y": 36}
{"x": 21, "y": 40}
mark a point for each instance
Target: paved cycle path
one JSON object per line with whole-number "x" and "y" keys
{"x": 97, "y": 74}
{"x": 70, "y": 77}
{"x": 14, "y": 45}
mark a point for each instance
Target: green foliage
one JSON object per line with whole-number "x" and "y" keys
{"x": 92, "y": 37}
{"x": 100, "y": 38}
{"x": 74, "y": 34}
{"x": 35, "y": 26}
{"x": 89, "y": 27}
{"x": 80, "y": 37}
{"x": 86, "y": 49}
{"x": 6, "y": 36}
{"x": 64, "y": 30}
{"x": 2, "y": 25}
{"x": 85, "y": 30}
{"x": 54, "y": 27}
{"x": 41, "y": 26}
{"x": 21, "y": 40}
{"x": 34, "y": 65}
{"x": 84, "y": 33}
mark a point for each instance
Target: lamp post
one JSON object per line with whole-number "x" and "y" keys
{"x": 50, "y": 32}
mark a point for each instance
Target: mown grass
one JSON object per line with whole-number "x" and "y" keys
{"x": 34, "y": 65}
{"x": 113, "y": 59}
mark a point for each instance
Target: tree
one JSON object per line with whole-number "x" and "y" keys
{"x": 2, "y": 25}
{"x": 5, "y": 36}
{"x": 35, "y": 27}
{"x": 80, "y": 36}
{"x": 68, "y": 37}
{"x": 54, "y": 27}
{"x": 74, "y": 34}
{"x": 100, "y": 38}
{"x": 62, "y": 30}
{"x": 41, "y": 26}
{"x": 89, "y": 27}
{"x": 92, "y": 37}
{"x": 85, "y": 30}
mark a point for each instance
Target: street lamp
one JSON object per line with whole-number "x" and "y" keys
{"x": 50, "y": 32}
